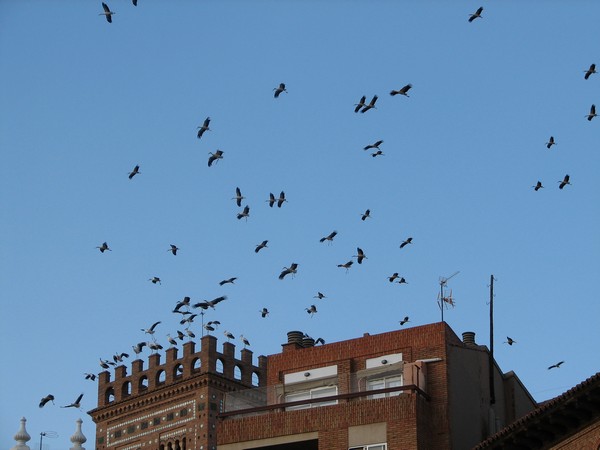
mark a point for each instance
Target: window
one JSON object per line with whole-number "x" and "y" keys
{"x": 325, "y": 391}
{"x": 370, "y": 447}
{"x": 383, "y": 383}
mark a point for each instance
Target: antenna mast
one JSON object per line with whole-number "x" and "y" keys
{"x": 443, "y": 298}
{"x": 491, "y": 360}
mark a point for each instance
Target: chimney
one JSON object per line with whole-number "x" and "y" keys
{"x": 469, "y": 338}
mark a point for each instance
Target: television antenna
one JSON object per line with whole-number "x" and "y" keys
{"x": 48, "y": 434}
{"x": 445, "y": 300}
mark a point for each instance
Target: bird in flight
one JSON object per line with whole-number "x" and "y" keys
{"x": 228, "y": 280}
{"x": 279, "y": 89}
{"x": 590, "y": 71}
{"x": 329, "y": 237}
{"x": 134, "y": 172}
{"x": 312, "y": 310}
{"x": 476, "y": 14}
{"x": 155, "y": 280}
{"x": 264, "y": 312}
{"x": 271, "y": 200}
{"x": 185, "y": 302}
{"x": 118, "y": 357}
{"x": 151, "y": 329}
{"x": 245, "y": 213}
{"x": 377, "y": 153}
{"x": 287, "y": 270}
{"x": 406, "y": 242}
{"x": 320, "y": 296}
{"x": 104, "y": 247}
{"x": 393, "y": 277}
{"x": 537, "y": 186}
{"x": 260, "y": 246}
{"x": 218, "y": 154}
{"x": 360, "y": 104}
{"x": 403, "y": 321}
{"x": 107, "y": 12}
{"x": 365, "y": 215}
{"x": 75, "y": 404}
{"x": 374, "y": 145}
{"x": 556, "y": 366}
{"x": 171, "y": 340}
{"x": 210, "y": 303}
{"x": 360, "y": 255}
{"x": 174, "y": 249}
{"x": 550, "y": 142}
{"x": 238, "y": 197}
{"x": 371, "y": 105}
{"x": 592, "y": 113}
{"x": 402, "y": 91}
{"x": 510, "y": 341}
{"x": 564, "y": 182}
{"x": 281, "y": 199}
{"x": 137, "y": 349}
{"x": 203, "y": 127}
{"x": 90, "y": 376}
{"x": 346, "y": 265}
{"x": 46, "y": 399}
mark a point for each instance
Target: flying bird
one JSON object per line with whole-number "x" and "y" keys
{"x": 105, "y": 364}
{"x": 210, "y": 303}
{"x": 510, "y": 341}
{"x": 189, "y": 319}
{"x": 218, "y": 154}
{"x": 371, "y": 105}
{"x": 46, "y": 399}
{"x": 377, "y": 153}
{"x": 402, "y": 280}
{"x": 154, "y": 346}
{"x": 264, "y": 312}
{"x": 590, "y": 71}
{"x": 260, "y": 246}
{"x": 281, "y": 199}
{"x": 171, "y": 340}
{"x": 155, "y": 280}
{"x": 320, "y": 296}
{"x": 134, "y": 172}
{"x": 185, "y": 302}
{"x": 118, "y": 357}
{"x": 550, "y": 142}
{"x": 173, "y": 249}
{"x": 90, "y": 376}
{"x": 406, "y": 242}
{"x": 104, "y": 247}
{"x": 476, "y": 14}
{"x": 374, "y": 145}
{"x": 365, "y": 215}
{"x": 180, "y": 335}
{"x": 75, "y": 404}
{"x": 564, "y": 182}
{"x": 360, "y": 255}
{"x": 287, "y": 270}
{"x": 134, "y": 2}
{"x": 279, "y": 89}
{"x": 190, "y": 333}
{"x": 360, "y": 104}
{"x": 228, "y": 280}
{"x": 203, "y": 127}
{"x": 151, "y": 329}
{"x": 393, "y": 277}
{"x": 245, "y": 213}
{"x": 403, "y": 321}
{"x": 238, "y": 197}
{"x": 107, "y": 12}
{"x": 346, "y": 265}
{"x": 137, "y": 349}
{"x": 271, "y": 200}
{"x": 402, "y": 91}
{"x": 312, "y": 310}
{"x": 329, "y": 237}
{"x": 592, "y": 113}
{"x": 556, "y": 366}
{"x": 537, "y": 186}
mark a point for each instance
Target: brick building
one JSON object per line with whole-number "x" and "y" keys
{"x": 415, "y": 388}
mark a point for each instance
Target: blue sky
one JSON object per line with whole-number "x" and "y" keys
{"x": 83, "y": 101}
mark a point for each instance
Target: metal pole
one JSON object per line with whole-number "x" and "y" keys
{"x": 491, "y": 360}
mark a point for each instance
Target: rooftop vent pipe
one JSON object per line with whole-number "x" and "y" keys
{"x": 469, "y": 338}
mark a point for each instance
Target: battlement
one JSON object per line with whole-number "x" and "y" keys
{"x": 178, "y": 369}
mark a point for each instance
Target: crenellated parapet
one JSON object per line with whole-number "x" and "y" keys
{"x": 175, "y": 369}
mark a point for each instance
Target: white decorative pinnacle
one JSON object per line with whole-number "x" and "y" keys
{"x": 78, "y": 438}
{"x": 22, "y": 437}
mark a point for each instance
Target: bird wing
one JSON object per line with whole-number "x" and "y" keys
{"x": 206, "y": 122}
{"x": 154, "y": 325}
{"x": 79, "y": 399}
{"x": 105, "y": 7}
{"x": 406, "y": 88}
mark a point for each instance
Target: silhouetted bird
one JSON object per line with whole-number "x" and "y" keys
{"x": 245, "y": 213}
{"x": 218, "y": 154}
{"x": 402, "y": 91}
{"x": 90, "y": 376}
{"x": 360, "y": 104}
{"x": 374, "y": 145}
{"x": 366, "y": 214}
{"x": 556, "y": 366}
{"x": 320, "y": 296}
{"x": 403, "y": 321}
{"x": 360, "y": 255}
{"x": 590, "y": 71}
{"x": 371, "y": 105}
{"x": 476, "y": 14}
{"x": 329, "y": 237}
{"x": 107, "y": 12}
{"x": 279, "y": 89}
{"x": 203, "y": 127}
{"x": 174, "y": 249}
{"x": 75, "y": 404}
{"x": 281, "y": 199}
{"x": 537, "y": 186}
{"x": 592, "y": 113}
{"x": 406, "y": 242}
{"x": 155, "y": 280}
{"x": 264, "y": 312}
{"x": 134, "y": 172}
{"x": 312, "y": 310}
{"x": 260, "y": 246}
{"x": 271, "y": 200}
{"x": 238, "y": 197}
{"x": 346, "y": 265}
{"x": 550, "y": 142}
{"x": 228, "y": 280}
{"x": 104, "y": 247}
{"x": 287, "y": 270}
{"x": 510, "y": 341}
{"x": 46, "y": 399}
{"x": 564, "y": 182}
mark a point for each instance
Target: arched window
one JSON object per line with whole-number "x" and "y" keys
{"x": 143, "y": 383}
{"x": 161, "y": 376}
{"x": 109, "y": 395}
{"x": 196, "y": 365}
{"x": 237, "y": 372}
{"x": 178, "y": 371}
{"x": 255, "y": 379}
{"x": 219, "y": 367}
{"x": 126, "y": 389}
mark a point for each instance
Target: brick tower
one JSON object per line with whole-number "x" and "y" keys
{"x": 172, "y": 405}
